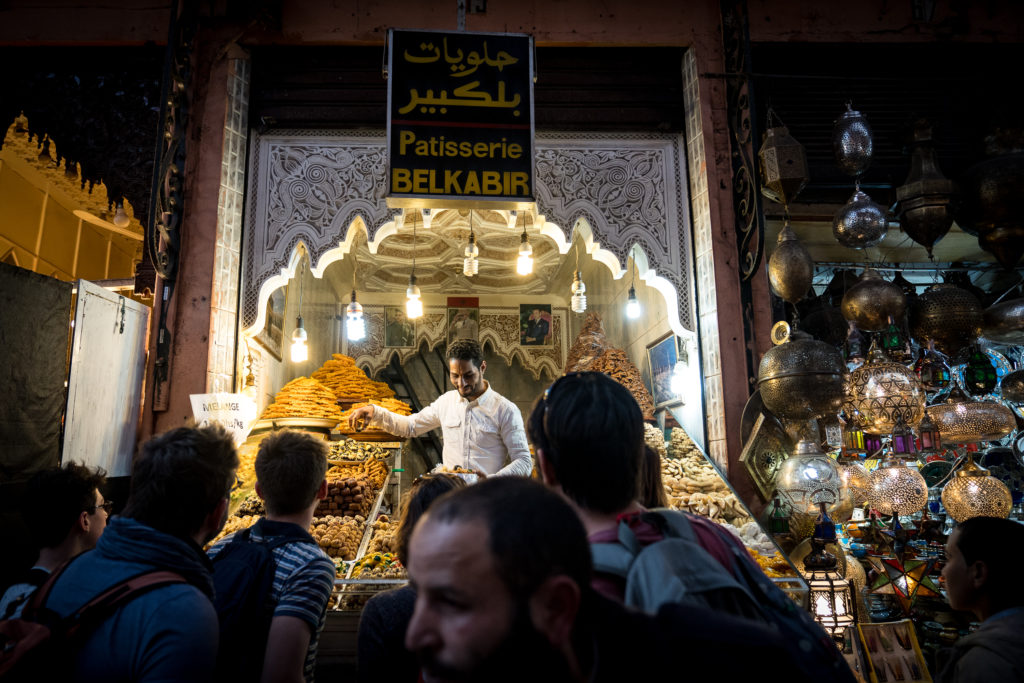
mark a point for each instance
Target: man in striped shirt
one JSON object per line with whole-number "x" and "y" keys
{"x": 290, "y": 469}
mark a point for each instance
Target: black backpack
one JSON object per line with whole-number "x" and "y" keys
{"x": 40, "y": 644}
{"x": 243, "y": 582}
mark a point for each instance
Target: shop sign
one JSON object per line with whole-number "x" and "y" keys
{"x": 460, "y": 119}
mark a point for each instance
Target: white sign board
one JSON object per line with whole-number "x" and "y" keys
{"x": 235, "y": 412}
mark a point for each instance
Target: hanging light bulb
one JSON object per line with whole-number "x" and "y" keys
{"x": 524, "y": 264}
{"x": 300, "y": 352}
{"x": 512, "y": 218}
{"x": 632, "y": 303}
{"x": 413, "y": 304}
{"x": 578, "y": 303}
{"x": 355, "y": 326}
{"x": 471, "y": 264}
{"x": 120, "y": 217}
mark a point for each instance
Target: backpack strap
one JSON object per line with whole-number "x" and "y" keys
{"x": 104, "y": 604}
{"x": 673, "y": 523}
{"x": 616, "y": 557}
{"x": 42, "y": 594}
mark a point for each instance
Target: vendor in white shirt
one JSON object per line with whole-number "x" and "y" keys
{"x": 483, "y": 431}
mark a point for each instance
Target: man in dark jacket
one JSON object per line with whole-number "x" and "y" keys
{"x": 983, "y": 560}
{"x": 178, "y": 502}
{"x": 505, "y": 596}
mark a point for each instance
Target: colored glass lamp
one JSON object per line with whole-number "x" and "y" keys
{"x": 980, "y": 376}
{"x": 929, "y": 440}
{"x": 931, "y": 370}
{"x": 902, "y": 440}
{"x": 853, "y": 437}
{"x": 831, "y": 596}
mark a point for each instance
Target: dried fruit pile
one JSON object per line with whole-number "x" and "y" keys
{"x": 349, "y": 383}
{"x": 348, "y": 496}
{"x": 591, "y": 351}
{"x": 304, "y": 397}
{"x": 339, "y": 536}
{"x": 355, "y": 451}
{"x": 384, "y": 539}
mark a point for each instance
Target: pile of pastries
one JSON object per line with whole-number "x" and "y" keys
{"x": 304, "y": 397}
{"x": 349, "y": 383}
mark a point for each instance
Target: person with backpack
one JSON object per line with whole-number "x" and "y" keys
{"x": 137, "y": 607}
{"x": 588, "y": 435}
{"x": 273, "y": 582}
{"x": 65, "y": 513}
{"x": 501, "y": 571}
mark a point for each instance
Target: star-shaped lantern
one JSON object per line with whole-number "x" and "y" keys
{"x": 906, "y": 579}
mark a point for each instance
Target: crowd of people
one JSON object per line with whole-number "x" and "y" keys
{"x": 510, "y": 579}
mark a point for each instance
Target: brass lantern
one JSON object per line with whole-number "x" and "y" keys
{"x": 897, "y": 488}
{"x": 790, "y": 267}
{"x": 926, "y": 198}
{"x": 852, "y": 142}
{"x": 948, "y": 315}
{"x": 801, "y": 379}
{"x": 1011, "y": 387}
{"x": 1004, "y": 322}
{"x": 873, "y": 301}
{"x": 860, "y": 223}
{"x": 808, "y": 479}
{"x": 973, "y": 492}
{"x": 962, "y": 420}
{"x": 882, "y": 391}
{"x": 857, "y": 480}
{"x": 783, "y": 165}
{"x": 831, "y": 596}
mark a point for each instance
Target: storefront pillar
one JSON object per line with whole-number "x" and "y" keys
{"x": 203, "y": 306}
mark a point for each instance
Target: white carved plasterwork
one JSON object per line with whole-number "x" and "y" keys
{"x": 499, "y": 331}
{"x": 629, "y": 190}
{"x": 314, "y": 186}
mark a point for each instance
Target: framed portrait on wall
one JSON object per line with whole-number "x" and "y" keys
{"x": 399, "y": 331}
{"x": 535, "y": 325}
{"x": 463, "y": 323}
{"x": 272, "y": 335}
{"x": 662, "y": 357}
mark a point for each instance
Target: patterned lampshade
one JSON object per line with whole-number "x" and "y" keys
{"x": 882, "y": 391}
{"x": 897, "y": 489}
{"x": 973, "y": 492}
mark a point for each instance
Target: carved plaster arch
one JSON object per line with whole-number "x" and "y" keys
{"x": 621, "y": 192}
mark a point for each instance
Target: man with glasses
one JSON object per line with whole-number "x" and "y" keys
{"x": 178, "y": 502}
{"x": 65, "y": 514}
{"x": 482, "y": 430}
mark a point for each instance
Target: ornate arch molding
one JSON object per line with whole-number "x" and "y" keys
{"x": 620, "y": 191}
{"x": 499, "y": 330}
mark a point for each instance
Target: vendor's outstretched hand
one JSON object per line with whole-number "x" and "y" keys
{"x": 360, "y": 418}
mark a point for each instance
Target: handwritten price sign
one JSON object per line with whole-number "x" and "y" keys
{"x": 460, "y": 123}
{"x": 235, "y": 412}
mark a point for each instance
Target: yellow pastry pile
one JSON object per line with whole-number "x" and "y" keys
{"x": 304, "y": 397}
{"x": 348, "y": 382}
